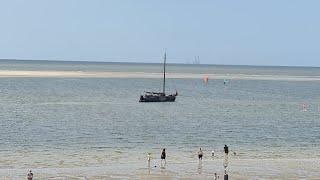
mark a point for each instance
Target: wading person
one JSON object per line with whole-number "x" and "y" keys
{"x": 30, "y": 175}
{"x": 163, "y": 157}
{"x": 226, "y": 149}
{"x": 226, "y": 152}
{"x": 200, "y": 154}
{"x": 215, "y": 176}
{"x": 149, "y": 159}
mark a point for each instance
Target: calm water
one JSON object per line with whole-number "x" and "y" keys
{"x": 88, "y": 121}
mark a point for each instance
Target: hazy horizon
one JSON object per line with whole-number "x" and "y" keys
{"x": 160, "y": 62}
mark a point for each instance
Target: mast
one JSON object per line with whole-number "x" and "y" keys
{"x": 164, "y": 73}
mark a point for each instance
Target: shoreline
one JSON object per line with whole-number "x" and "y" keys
{"x": 88, "y": 74}
{"x": 238, "y": 169}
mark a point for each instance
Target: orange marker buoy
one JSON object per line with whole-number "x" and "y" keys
{"x": 206, "y": 79}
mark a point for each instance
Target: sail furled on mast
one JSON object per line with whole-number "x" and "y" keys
{"x": 164, "y": 74}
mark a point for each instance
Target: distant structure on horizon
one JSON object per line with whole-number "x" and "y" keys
{"x": 196, "y": 60}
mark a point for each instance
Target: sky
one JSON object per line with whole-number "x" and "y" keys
{"x": 246, "y": 32}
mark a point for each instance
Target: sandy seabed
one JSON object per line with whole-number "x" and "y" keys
{"x": 238, "y": 169}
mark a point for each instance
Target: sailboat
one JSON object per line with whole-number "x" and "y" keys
{"x": 159, "y": 96}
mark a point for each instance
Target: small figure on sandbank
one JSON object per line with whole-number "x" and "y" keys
{"x": 225, "y": 81}
{"x": 163, "y": 157}
{"x": 304, "y": 107}
{"x": 212, "y": 153}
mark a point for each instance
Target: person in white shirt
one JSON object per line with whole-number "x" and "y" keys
{"x": 30, "y": 175}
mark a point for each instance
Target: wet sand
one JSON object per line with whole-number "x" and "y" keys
{"x": 88, "y": 74}
{"x": 238, "y": 169}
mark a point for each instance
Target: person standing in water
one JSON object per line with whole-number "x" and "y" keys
{"x": 200, "y": 154}
{"x": 215, "y": 176}
{"x": 226, "y": 149}
{"x": 149, "y": 159}
{"x": 163, "y": 156}
{"x": 30, "y": 175}
{"x": 226, "y": 152}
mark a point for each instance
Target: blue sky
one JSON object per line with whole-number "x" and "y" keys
{"x": 270, "y": 32}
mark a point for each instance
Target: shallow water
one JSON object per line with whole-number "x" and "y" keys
{"x": 81, "y": 122}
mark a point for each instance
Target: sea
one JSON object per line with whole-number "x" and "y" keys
{"x": 78, "y": 122}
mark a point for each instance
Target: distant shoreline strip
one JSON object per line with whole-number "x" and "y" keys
{"x": 88, "y": 74}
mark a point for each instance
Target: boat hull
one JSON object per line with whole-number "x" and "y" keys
{"x": 150, "y": 98}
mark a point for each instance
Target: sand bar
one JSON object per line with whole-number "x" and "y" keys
{"x": 89, "y": 74}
